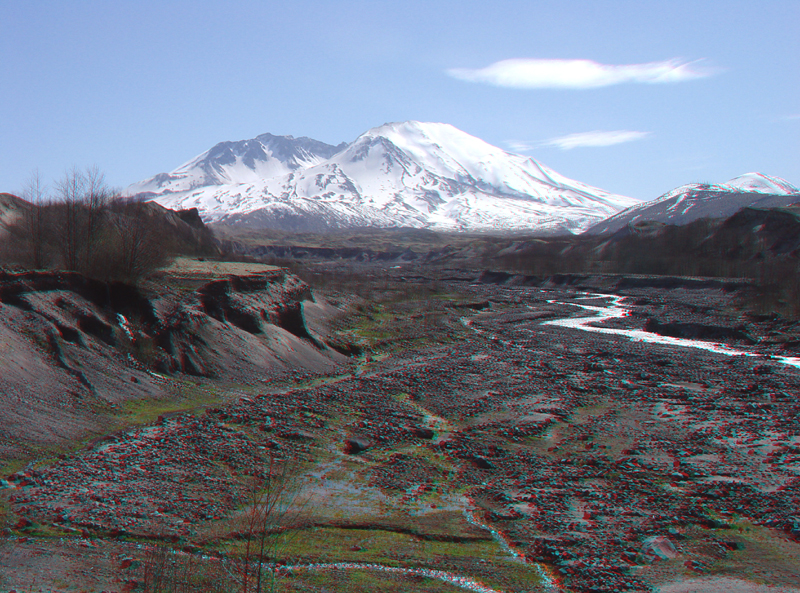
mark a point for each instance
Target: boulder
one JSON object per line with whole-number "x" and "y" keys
{"x": 658, "y": 547}
{"x": 356, "y": 445}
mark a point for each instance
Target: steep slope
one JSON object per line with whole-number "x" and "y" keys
{"x": 412, "y": 174}
{"x": 694, "y": 201}
{"x": 76, "y": 349}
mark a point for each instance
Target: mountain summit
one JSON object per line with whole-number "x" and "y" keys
{"x": 412, "y": 174}
{"x": 762, "y": 184}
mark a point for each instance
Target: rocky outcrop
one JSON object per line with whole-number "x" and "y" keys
{"x": 241, "y": 328}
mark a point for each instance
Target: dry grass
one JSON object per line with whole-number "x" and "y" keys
{"x": 189, "y": 266}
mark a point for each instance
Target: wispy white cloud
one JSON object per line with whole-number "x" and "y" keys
{"x": 596, "y": 138}
{"x": 521, "y": 145}
{"x": 525, "y": 73}
{"x": 793, "y": 117}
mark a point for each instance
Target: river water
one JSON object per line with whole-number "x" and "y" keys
{"x": 615, "y": 309}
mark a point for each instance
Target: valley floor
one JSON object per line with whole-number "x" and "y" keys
{"x": 472, "y": 446}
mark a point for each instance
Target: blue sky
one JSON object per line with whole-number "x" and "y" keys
{"x": 635, "y": 97}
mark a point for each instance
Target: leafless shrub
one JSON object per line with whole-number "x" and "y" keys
{"x": 275, "y": 505}
{"x": 165, "y": 570}
{"x": 84, "y": 227}
{"x": 69, "y": 217}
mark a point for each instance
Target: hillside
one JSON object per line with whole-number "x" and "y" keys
{"x": 120, "y": 239}
{"x": 80, "y": 351}
{"x": 12, "y": 209}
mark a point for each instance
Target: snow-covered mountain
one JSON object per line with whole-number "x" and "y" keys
{"x": 412, "y": 174}
{"x": 232, "y": 163}
{"x": 699, "y": 200}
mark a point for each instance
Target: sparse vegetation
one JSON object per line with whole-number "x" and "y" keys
{"x": 166, "y": 570}
{"x": 759, "y": 245}
{"x": 84, "y": 226}
{"x": 275, "y": 506}
{"x": 705, "y": 248}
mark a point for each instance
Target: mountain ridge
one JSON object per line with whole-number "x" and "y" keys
{"x": 414, "y": 174}
{"x": 264, "y": 155}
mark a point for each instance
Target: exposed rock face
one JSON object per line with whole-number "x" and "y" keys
{"x": 240, "y": 328}
{"x": 72, "y": 349}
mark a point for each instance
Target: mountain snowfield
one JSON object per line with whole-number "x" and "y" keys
{"x": 762, "y": 184}
{"x": 411, "y": 174}
{"x": 699, "y": 200}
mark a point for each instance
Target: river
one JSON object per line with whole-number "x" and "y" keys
{"x": 615, "y": 310}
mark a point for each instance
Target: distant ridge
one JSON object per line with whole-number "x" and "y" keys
{"x": 699, "y": 200}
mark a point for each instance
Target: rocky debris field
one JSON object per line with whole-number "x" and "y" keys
{"x": 606, "y": 463}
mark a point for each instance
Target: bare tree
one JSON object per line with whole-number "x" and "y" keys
{"x": 273, "y": 515}
{"x": 82, "y": 198}
{"x": 139, "y": 248}
{"x": 35, "y": 193}
{"x": 96, "y": 197}
{"x": 70, "y": 191}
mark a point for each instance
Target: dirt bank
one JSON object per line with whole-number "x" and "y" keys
{"x": 75, "y": 351}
